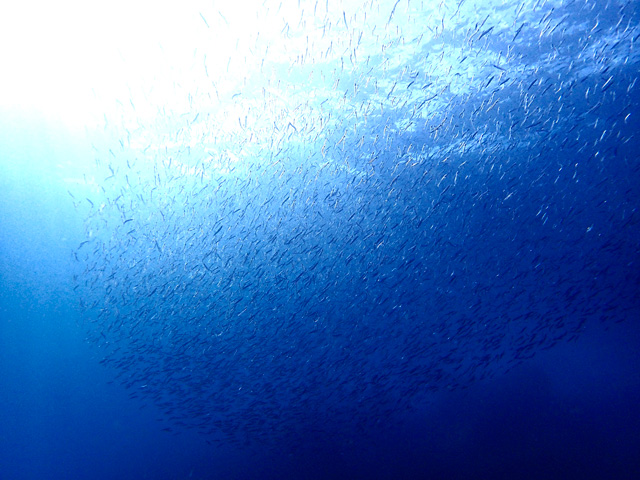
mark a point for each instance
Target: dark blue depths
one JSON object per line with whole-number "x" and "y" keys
{"x": 416, "y": 290}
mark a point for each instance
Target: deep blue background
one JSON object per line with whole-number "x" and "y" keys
{"x": 569, "y": 412}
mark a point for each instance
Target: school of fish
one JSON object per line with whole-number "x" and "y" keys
{"x": 362, "y": 206}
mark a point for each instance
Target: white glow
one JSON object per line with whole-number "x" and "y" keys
{"x": 70, "y": 59}
{"x": 84, "y": 63}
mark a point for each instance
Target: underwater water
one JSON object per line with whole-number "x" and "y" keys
{"x": 382, "y": 239}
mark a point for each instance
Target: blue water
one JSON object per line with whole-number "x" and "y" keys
{"x": 391, "y": 240}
